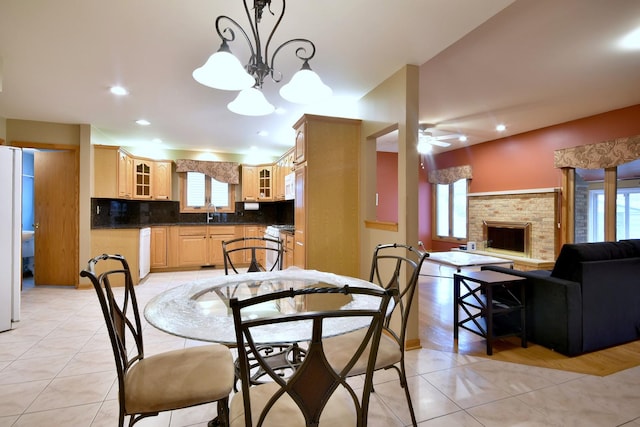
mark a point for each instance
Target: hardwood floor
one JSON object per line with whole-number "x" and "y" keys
{"x": 436, "y": 332}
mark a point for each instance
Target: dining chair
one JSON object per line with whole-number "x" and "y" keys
{"x": 162, "y": 382}
{"x": 315, "y": 394}
{"x": 263, "y": 253}
{"x": 394, "y": 266}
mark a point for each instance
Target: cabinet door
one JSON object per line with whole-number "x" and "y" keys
{"x": 249, "y": 183}
{"x": 125, "y": 175}
{"x": 192, "y": 250}
{"x": 159, "y": 247}
{"x": 217, "y": 235}
{"x": 300, "y": 218}
{"x": 301, "y": 144}
{"x": 161, "y": 175}
{"x": 265, "y": 181}
{"x": 142, "y": 179}
{"x": 105, "y": 172}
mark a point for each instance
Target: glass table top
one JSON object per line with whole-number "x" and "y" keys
{"x": 200, "y": 309}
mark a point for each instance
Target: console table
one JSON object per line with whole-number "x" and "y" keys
{"x": 493, "y": 305}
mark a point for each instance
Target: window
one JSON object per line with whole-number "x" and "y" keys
{"x": 198, "y": 190}
{"x": 627, "y": 214}
{"x": 451, "y": 210}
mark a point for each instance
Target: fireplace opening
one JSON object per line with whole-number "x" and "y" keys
{"x": 507, "y": 237}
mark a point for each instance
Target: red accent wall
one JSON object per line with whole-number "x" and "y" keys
{"x": 387, "y": 188}
{"x": 525, "y": 161}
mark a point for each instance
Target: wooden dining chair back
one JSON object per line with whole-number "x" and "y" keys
{"x": 255, "y": 250}
{"x": 394, "y": 267}
{"x": 162, "y": 382}
{"x": 315, "y": 394}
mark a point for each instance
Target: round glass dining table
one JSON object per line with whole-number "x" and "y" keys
{"x": 200, "y": 309}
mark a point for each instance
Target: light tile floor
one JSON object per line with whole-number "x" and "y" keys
{"x": 56, "y": 368}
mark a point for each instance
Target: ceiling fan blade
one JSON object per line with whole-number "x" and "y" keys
{"x": 439, "y": 143}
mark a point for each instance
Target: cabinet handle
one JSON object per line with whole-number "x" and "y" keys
{"x": 299, "y": 243}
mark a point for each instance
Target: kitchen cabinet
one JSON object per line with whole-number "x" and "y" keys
{"x": 159, "y": 253}
{"x": 125, "y": 242}
{"x": 125, "y": 175}
{"x": 326, "y": 204}
{"x": 254, "y": 231}
{"x": 105, "y": 171}
{"x": 257, "y": 183}
{"x": 281, "y": 168}
{"x": 289, "y": 245}
{"x": 119, "y": 175}
{"x": 141, "y": 179}
{"x": 161, "y": 180}
{"x": 201, "y": 245}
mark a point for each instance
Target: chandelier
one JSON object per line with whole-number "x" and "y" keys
{"x": 223, "y": 70}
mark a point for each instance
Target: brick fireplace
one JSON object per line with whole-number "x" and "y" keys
{"x": 522, "y": 223}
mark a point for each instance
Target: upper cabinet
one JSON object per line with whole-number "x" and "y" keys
{"x": 141, "y": 179}
{"x": 257, "y": 183}
{"x": 161, "y": 184}
{"x": 282, "y": 168}
{"x": 119, "y": 175}
{"x": 125, "y": 175}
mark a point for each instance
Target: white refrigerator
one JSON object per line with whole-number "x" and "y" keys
{"x": 10, "y": 235}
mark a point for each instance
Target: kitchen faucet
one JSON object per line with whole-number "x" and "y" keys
{"x": 211, "y": 215}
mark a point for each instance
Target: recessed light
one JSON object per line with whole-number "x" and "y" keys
{"x": 119, "y": 90}
{"x": 463, "y": 138}
{"x": 263, "y": 133}
{"x": 143, "y": 122}
{"x": 156, "y": 141}
{"x": 501, "y": 128}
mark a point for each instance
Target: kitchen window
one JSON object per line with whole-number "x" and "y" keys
{"x": 198, "y": 190}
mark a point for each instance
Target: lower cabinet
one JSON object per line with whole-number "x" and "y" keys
{"x": 159, "y": 247}
{"x": 289, "y": 245}
{"x": 202, "y": 245}
{"x": 124, "y": 241}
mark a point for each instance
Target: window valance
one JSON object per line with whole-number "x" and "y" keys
{"x": 450, "y": 175}
{"x": 601, "y": 155}
{"x": 228, "y": 172}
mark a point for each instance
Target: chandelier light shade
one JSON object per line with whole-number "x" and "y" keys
{"x": 305, "y": 87}
{"x": 251, "y": 102}
{"x": 225, "y": 71}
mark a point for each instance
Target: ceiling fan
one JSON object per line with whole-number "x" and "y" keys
{"x": 425, "y": 135}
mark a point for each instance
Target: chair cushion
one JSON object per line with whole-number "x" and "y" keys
{"x": 339, "y": 350}
{"x": 178, "y": 379}
{"x": 339, "y": 410}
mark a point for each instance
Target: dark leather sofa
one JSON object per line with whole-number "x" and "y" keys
{"x": 589, "y": 301}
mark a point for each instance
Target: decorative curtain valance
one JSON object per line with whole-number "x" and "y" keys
{"x": 450, "y": 175}
{"x": 228, "y": 172}
{"x": 602, "y": 155}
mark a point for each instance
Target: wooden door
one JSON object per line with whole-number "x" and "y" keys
{"x": 56, "y": 217}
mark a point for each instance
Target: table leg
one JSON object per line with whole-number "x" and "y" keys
{"x": 489, "y": 317}
{"x": 456, "y": 297}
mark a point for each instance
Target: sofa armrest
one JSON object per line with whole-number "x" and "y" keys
{"x": 553, "y": 310}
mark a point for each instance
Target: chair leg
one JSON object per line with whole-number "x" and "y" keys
{"x": 403, "y": 383}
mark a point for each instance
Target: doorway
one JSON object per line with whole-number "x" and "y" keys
{"x": 55, "y": 221}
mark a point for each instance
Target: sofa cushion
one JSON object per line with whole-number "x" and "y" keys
{"x": 567, "y": 265}
{"x": 635, "y": 243}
